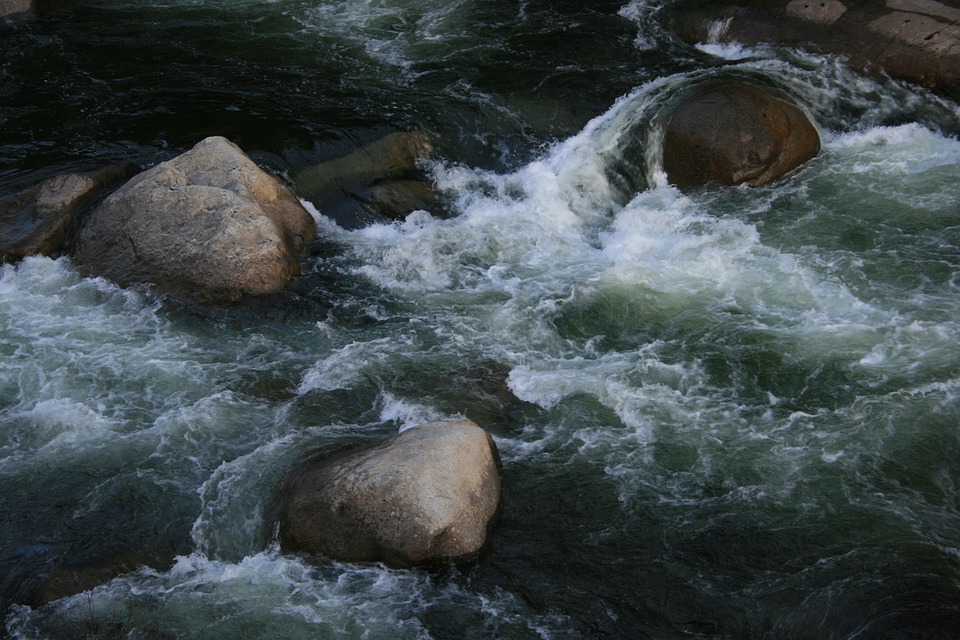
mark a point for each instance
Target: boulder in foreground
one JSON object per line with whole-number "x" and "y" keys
{"x": 734, "y": 132}
{"x": 426, "y": 496}
{"x": 207, "y": 226}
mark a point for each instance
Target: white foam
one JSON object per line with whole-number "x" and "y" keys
{"x": 551, "y": 234}
{"x": 901, "y": 150}
{"x": 318, "y": 218}
{"x": 661, "y": 240}
{"x": 408, "y": 413}
{"x": 284, "y": 596}
{"x": 236, "y": 498}
{"x": 71, "y": 424}
{"x": 729, "y": 51}
{"x": 342, "y": 367}
{"x": 396, "y": 33}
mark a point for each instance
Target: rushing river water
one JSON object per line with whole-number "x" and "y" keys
{"x": 731, "y": 414}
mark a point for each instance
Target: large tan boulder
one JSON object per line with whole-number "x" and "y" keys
{"x": 207, "y": 226}
{"x": 733, "y": 132}
{"x": 428, "y": 495}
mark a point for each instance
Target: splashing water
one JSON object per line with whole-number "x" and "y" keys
{"x": 721, "y": 414}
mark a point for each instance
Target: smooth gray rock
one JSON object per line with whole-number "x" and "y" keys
{"x": 207, "y": 226}
{"x": 428, "y": 495}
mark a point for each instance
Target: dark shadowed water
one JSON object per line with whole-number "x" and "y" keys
{"x": 732, "y": 414}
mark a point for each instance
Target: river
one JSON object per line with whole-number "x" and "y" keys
{"x": 721, "y": 414}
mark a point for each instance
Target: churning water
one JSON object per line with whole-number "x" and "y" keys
{"x": 726, "y": 414}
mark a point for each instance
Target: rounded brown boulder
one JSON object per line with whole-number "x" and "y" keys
{"x": 428, "y": 495}
{"x": 732, "y": 133}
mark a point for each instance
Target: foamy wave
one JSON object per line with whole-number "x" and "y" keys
{"x": 905, "y": 149}
{"x": 281, "y": 596}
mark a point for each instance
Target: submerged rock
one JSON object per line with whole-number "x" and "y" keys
{"x": 77, "y": 578}
{"x": 732, "y": 132}
{"x": 428, "y": 495}
{"x": 37, "y": 220}
{"x": 207, "y": 226}
{"x": 397, "y": 198}
{"x": 380, "y": 181}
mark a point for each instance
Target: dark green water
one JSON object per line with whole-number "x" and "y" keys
{"x": 722, "y": 415}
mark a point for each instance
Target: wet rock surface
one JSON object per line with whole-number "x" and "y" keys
{"x": 37, "y": 220}
{"x": 913, "y": 40}
{"x": 207, "y": 226}
{"x": 731, "y": 133}
{"x": 378, "y": 182}
{"x": 428, "y": 495}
